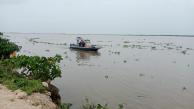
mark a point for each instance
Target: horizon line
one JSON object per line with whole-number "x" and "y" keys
{"x": 115, "y": 34}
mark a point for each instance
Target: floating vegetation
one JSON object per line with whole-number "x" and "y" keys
{"x": 134, "y": 46}
{"x": 184, "y": 88}
{"x": 189, "y": 48}
{"x": 184, "y": 51}
{"x": 141, "y": 74}
{"x": 34, "y": 41}
{"x": 173, "y": 61}
{"x": 126, "y": 46}
{"x": 90, "y": 105}
{"x": 188, "y": 65}
{"x": 65, "y": 105}
{"x": 140, "y": 96}
{"x": 153, "y": 48}
{"x": 121, "y": 106}
{"x": 126, "y": 42}
{"x": 106, "y": 76}
{"x": 47, "y": 50}
{"x": 169, "y": 48}
{"x": 116, "y": 52}
{"x": 85, "y": 64}
{"x": 50, "y": 43}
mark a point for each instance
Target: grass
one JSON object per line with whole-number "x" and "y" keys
{"x": 13, "y": 81}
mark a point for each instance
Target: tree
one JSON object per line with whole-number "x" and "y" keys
{"x": 7, "y": 47}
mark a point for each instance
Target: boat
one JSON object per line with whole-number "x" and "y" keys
{"x": 92, "y": 48}
{"x": 84, "y": 45}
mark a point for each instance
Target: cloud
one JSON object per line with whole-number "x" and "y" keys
{"x": 98, "y": 16}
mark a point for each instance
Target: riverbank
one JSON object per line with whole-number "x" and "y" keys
{"x": 25, "y": 78}
{"x": 20, "y": 100}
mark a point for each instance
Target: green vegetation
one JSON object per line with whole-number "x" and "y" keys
{"x": 1, "y": 33}
{"x": 89, "y": 105}
{"x": 93, "y": 106}
{"x": 15, "y": 81}
{"x": 35, "y": 67}
{"x": 126, "y": 42}
{"x": 33, "y": 40}
{"x": 7, "y": 47}
{"x": 65, "y": 105}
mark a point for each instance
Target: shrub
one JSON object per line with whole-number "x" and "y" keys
{"x": 35, "y": 67}
{"x": 7, "y": 47}
{"x": 14, "y": 81}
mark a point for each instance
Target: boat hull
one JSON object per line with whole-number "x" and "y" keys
{"x": 73, "y": 46}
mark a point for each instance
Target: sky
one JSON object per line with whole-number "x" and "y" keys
{"x": 98, "y": 16}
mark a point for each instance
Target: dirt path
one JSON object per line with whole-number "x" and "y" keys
{"x": 20, "y": 100}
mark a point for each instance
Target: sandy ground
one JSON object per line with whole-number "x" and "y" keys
{"x": 20, "y": 100}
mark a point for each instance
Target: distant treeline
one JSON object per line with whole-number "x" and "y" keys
{"x": 109, "y": 34}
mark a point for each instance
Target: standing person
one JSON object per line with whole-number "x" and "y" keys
{"x": 79, "y": 41}
{"x": 82, "y": 43}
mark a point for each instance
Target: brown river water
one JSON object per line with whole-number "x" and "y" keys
{"x": 141, "y": 72}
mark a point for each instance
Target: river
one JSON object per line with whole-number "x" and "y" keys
{"x": 141, "y": 72}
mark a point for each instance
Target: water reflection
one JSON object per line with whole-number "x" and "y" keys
{"x": 85, "y": 56}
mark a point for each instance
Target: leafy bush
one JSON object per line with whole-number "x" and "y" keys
{"x": 35, "y": 67}
{"x": 7, "y": 47}
{"x": 14, "y": 81}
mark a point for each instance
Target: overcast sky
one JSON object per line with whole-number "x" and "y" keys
{"x": 98, "y": 16}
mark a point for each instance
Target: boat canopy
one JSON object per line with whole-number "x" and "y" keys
{"x": 87, "y": 41}
{"x": 84, "y": 40}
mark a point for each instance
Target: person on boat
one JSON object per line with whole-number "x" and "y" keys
{"x": 79, "y": 42}
{"x": 82, "y": 43}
